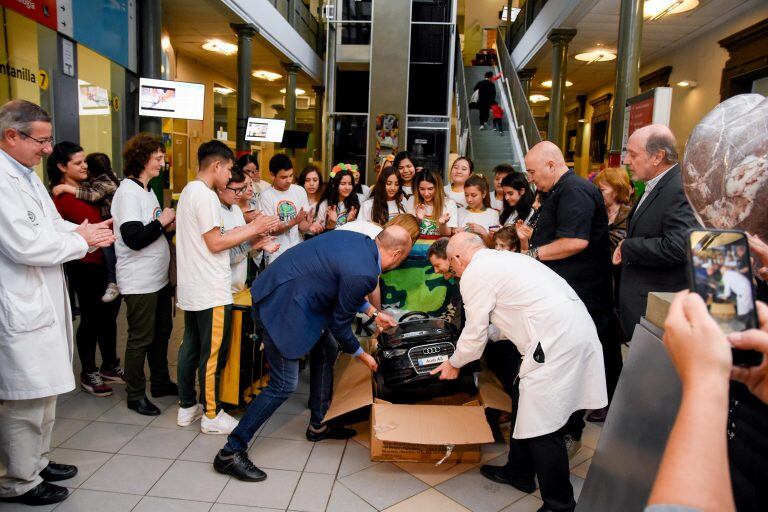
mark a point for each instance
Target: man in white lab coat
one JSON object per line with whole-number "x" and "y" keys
{"x": 562, "y": 367}
{"x": 35, "y": 320}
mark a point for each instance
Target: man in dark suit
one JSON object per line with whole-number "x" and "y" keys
{"x": 653, "y": 255}
{"x": 315, "y": 286}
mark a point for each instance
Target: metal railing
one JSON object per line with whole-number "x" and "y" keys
{"x": 528, "y": 132}
{"x": 463, "y": 132}
{"x": 302, "y": 20}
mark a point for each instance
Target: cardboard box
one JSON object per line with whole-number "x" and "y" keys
{"x": 446, "y": 429}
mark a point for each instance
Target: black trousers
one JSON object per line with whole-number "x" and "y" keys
{"x": 546, "y": 458}
{"x": 498, "y": 123}
{"x": 98, "y": 320}
{"x": 483, "y": 110}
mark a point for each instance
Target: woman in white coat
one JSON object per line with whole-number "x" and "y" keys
{"x": 35, "y": 321}
{"x": 562, "y": 364}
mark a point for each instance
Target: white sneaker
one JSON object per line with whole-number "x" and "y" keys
{"x": 111, "y": 293}
{"x": 189, "y": 415}
{"x": 223, "y": 423}
{"x": 482, "y": 127}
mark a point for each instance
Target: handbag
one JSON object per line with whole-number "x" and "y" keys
{"x": 474, "y": 99}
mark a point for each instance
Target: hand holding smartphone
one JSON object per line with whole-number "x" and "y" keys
{"x": 720, "y": 272}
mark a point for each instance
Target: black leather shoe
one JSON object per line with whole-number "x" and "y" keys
{"x": 499, "y": 474}
{"x": 598, "y": 415}
{"x": 544, "y": 509}
{"x": 330, "y": 432}
{"x": 239, "y": 466}
{"x": 170, "y": 389}
{"x": 43, "y": 494}
{"x": 54, "y": 472}
{"x": 144, "y": 406}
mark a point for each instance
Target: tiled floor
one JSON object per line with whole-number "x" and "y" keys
{"x": 129, "y": 462}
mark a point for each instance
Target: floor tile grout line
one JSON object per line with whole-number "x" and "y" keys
{"x": 354, "y": 493}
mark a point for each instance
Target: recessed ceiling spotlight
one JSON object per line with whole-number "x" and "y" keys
{"x": 548, "y": 83}
{"x": 595, "y": 56}
{"x": 657, "y": 9}
{"x": 269, "y": 76}
{"x": 220, "y": 47}
{"x": 299, "y": 92}
{"x": 538, "y": 98}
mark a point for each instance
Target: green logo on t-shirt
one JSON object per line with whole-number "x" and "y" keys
{"x": 286, "y": 211}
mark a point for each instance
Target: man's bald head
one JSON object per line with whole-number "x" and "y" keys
{"x": 650, "y": 151}
{"x": 545, "y": 165}
{"x": 461, "y": 249}
{"x": 394, "y": 244}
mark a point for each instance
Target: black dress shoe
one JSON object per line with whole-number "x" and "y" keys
{"x": 43, "y": 494}
{"x": 544, "y": 509}
{"x": 144, "y": 406}
{"x": 239, "y": 466}
{"x": 330, "y": 432}
{"x": 169, "y": 389}
{"x": 499, "y": 474}
{"x": 54, "y": 472}
{"x": 598, "y": 415}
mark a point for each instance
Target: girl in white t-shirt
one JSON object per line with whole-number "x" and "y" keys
{"x": 461, "y": 170}
{"x": 518, "y": 199}
{"x": 500, "y": 172}
{"x": 437, "y": 214}
{"x": 387, "y": 201}
{"x": 405, "y": 166}
{"x": 340, "y": 204}
{"x": 478, "y": 217}
{"x": 312, "y": 182}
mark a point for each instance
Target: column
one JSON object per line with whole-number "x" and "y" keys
{"x": 508, "y": 35}
{"x": 290, "y": 94}
{"x": 245, "y": 34}
{"x": 559, "y": 37}
{"x": 526, "y": 75}
{"x": 150, "y": 53}
{"x": 319, "y": 112}
{"x": 627, "y": 71}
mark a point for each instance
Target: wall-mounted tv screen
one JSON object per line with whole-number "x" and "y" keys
{"x": 295, "y": 139}
{"x": 264, "y": 130}
{"x": 164, "y": 98}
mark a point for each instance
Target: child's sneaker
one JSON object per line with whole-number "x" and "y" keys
{"x": 111, "y": 294}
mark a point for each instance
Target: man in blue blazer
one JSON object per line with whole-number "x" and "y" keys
{"x": 315, "y": 286}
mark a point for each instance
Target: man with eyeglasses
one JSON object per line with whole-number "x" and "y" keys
{"x": 35, "y": 319}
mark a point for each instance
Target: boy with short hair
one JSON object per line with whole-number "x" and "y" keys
{"x": 204, "y": 286}
{"x": 289, "y": 203}
{"x": 505, "y": 239}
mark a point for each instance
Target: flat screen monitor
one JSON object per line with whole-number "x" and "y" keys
{"x": 164, "y": 98}
{"x": 295, "y": 139}
{"x": 264, "y": 130}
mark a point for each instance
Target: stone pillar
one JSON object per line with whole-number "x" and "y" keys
{"x": 150, "y": 53}
{"x": 290, "y": 94}
{"x": 627, "y": 71}
{"x": 560, "y": 37}
{"x": 245, "y": 34}
{"x": 526, "y": 75}
{"x": 319, "y": 116}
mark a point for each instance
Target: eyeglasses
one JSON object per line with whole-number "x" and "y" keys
{"x": 42, "y": 142}
{"x": 237, "y": 191}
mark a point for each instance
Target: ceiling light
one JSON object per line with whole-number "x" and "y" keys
{"x": 223, "y": 90}
{"x": 548, "y": 83}
{"x": 656, "y": 9}
{"x": 687, "y": 83}
{"x": 538, "y": 98}
{"x": 299, "y": 92}
{"x": 595, "y": 56}
{"x": 267, "y": 75}
{"x": 220, "y": 47}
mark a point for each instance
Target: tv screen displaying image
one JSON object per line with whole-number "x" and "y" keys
{"x": 164, "y": 98}
{"x": 295, "y": 139}
{"x": 94, "y": 100}
{"x": 264, "y": 130}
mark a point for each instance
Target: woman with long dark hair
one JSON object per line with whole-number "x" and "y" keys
{"x": 340, "y": 203}
{"x": 87, "y": 277}
{"x": 387, "y": 201}
{"x": 311, "y": 181}
{"x": 518, "y": 199}
{"x": 437, "y": 213}
{"x": 405, "y": 165}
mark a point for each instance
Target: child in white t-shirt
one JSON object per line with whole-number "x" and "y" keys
{"x": 461, "y": 170}
{"x": 428, "y": 198}
{"x": 340, "y": 203}
{"x": 405, "y": 165}
{"x": 387, "y": 201}
{"x": 478, "y": 217}
{"x": 500, "y": 172}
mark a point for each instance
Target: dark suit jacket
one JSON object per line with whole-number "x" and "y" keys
{"x": 654, "y": 254}
{"x": 318, "y": 284}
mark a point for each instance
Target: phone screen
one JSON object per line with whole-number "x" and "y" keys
{"x": 721, "y": 273}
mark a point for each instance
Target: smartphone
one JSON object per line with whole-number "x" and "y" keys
{"x": 720, "y": 271}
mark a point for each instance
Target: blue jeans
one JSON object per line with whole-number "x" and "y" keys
{"x": 322, "y": 357}
{"x": 283, "y": 379}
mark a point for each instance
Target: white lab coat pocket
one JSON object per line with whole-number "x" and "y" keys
{"x": 25, "y": 311}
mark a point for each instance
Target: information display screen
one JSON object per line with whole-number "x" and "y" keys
{"x": 164, "y": 98}
{"x": 264, "y": 130}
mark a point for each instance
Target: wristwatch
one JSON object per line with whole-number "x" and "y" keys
{"x": 533, "y": 253}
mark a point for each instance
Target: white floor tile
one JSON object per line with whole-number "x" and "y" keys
{"x": 128, "y": 474}
{"x": 286, "y": 454}
{"x": 187, "y": 480}
{"x": 479, "y": 494}
{"x": 87, "y": 463}
{"x": 427, "y": 501}
{"x": 325, "y": 458}
{"x": 159, "y": 442}
{"x": 152, "y": 504}
{"x": 82, "y": 500}
{"x": 203, "y": 448}
{"x": 64, "y": 428}
{"x": 312, "y": 493}
{"x": 102, "y": 437}
{"x": 356, "y": 458}
{"x": 85, "y": 407}
{"x": 274, "y": 492}
{"x": 344, "y": 500}
{"x": 287, "y": 426}
{"x": 530, "y": 503}
{"x": 122, "y": 414}
{"x": 383, "y": 485}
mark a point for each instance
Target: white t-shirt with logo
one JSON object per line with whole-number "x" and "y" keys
{"x": 233, "y": 218}
{"x": 487, "y": 218}
{"x": 457, "y": 197}
{"x": 430, "y": 226}
{"x": 366, "y": 210}
{"x": 341, "y": 211}
{"x": 203, "y": 277}
{"x": 146, "y": 270}
{"x": 497, "y": 204}
{"x": 284, "y": 205}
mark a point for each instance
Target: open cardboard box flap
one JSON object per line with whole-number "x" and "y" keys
{"x": 418, "y": 424}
